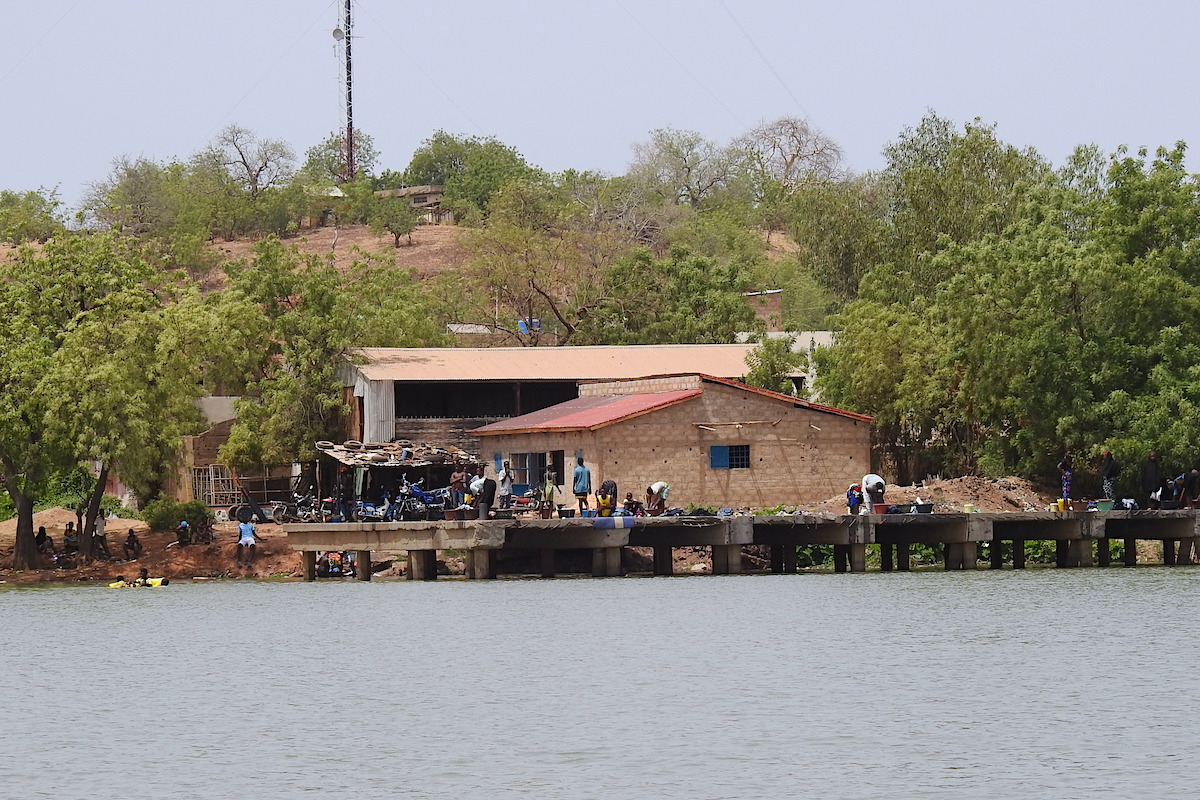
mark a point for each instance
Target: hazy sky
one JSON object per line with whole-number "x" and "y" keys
{"x": 574, "y": 83}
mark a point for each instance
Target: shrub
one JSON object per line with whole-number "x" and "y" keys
{"x": 165, "y": 514}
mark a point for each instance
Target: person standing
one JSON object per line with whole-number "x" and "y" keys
{"x": 582, "y": 483}
{"x": 549, "y": 487}
{"x": 458, "y": 487}
{"x": 873, "y": 488}
{"x": 1066, "y": 468}
{"x": 505, "y": 484}
{"x": 1152, "y": 480}
{"x": 1109, "y": 470}
{"x": 485, "y": 496}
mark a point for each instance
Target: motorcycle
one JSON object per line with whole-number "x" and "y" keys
{"x": 374, "y": 512}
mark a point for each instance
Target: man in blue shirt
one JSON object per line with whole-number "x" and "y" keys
{"x": 583, "y": 484}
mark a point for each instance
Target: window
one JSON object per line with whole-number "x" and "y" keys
{"x": 731, "y": 456}
{"x": 529, "y": 468}
{"x": 558, "y": 461}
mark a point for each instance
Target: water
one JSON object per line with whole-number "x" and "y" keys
{"x": 1037, "y": 684}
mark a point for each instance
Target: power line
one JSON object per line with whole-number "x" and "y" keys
{"x": 681, "y": 65}
{"x": 762, "y": 56}
{"x": 38, "y": 43}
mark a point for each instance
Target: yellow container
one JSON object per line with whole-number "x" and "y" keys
{"x": 968, "y": 508}
{"x": 1062, "y": 504}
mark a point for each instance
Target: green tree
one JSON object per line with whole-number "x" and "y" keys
{"x": 772, "y": 362}
{"x": 395, "y": 216}
{"x": 29, "y": 216}
{"x": 325, "y": 163}
{"x": 471, "y": 168}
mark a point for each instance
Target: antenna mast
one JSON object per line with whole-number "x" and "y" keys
{"x": 350, "y": 171}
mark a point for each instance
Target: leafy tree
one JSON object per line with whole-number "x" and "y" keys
{"x": 134, "y": 198}
{"x": 683, "y": 166}
{"x": 395, "y": 216}
{"x": 471, "y": 168}
{"x": 772, "y": 362}
{"x": 29, "y": 216}
{"x": 303, "y": 318}
{"x": 325, "y": 163}
{"x": 257, "y": 164}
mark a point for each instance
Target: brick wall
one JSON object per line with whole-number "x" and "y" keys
{"x": 670, "y": 383}
{"x": 442, "y": 432}
{"x": 798, "y": 456}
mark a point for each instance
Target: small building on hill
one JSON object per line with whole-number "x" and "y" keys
{"x": 717, "y": 442}
{"x": 441, "y": 394}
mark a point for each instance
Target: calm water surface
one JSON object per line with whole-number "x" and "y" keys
{"x": 1038, "y": 684}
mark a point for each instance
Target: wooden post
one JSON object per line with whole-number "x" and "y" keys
{"x": 789, "y": 558}
{"x": 1018, "y": 554}
{"x": 1062, "y": 549}
{"x": 776, "y": 558}
{"x": 422, "y": 565}
{"x": 548, "y": 570}
{"x": 858, "y": 558}
{"x": 1103, "y": 552}
{"x": 1131, "y": 552}
{"x": 903, "y": 557}
{"x": 885, "y": 558}
{"x": 1169, "y": 552}
{"x": 841, "y": 557}
{"x": 308, "y": 558}
{"x": 996, "y": 554}
{"x": 362, "y": 564}
{"x": 726, "y": 559}
{"x": 664, "y": 560}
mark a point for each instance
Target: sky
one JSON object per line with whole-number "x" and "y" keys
{"x": 575, "y": 83}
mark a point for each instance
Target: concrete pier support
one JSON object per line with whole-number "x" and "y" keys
{"x": 903, "y": 557}
{"x": 1061, "y": 550}
{"x": 776, "y": 558}
{"x": 606, "y": 562}
{"x": 308, "y": 560}
{"x": 1018, "y": 554}
{"x": 1131, "y": 552}
{"x": 962, "y": 555}
{"x": 422, "y": 565}
{"x": 885, "y": 558}
{"x": 996, "y": 554}
{"x": 1079, "y": 553}
{"x": 726, "y": 559}
{"x": 480, "y": 564}
{"x": 789, "y": 558}
{"x": 1168, "y": 552}
{"x": 841, "y": 557}
{"x": 362, "y": 564}
{"x": 858, "y": 557}
{"x": 1186, "y": 546}
{"x": 664, "y": 560}
{"x": 1103, "y": 552}
{"x": 548, "y": 566}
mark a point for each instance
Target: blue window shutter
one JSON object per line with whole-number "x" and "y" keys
{"x": 499, "y": 462}
{"x": 718, "y": 456}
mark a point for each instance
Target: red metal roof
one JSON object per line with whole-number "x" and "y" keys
{"x": 588, "y": 413}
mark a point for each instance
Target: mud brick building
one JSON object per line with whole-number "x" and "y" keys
{"x": 717, "y": 442}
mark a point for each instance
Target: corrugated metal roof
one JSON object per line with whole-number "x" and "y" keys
{"x": 588, "y": 413}
{"x": 602, "y": 362}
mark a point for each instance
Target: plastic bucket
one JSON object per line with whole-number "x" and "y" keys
{"x": 1104, "y": 505}
{"x": 1062, "y": 504}
{"x": 879, "y": 508}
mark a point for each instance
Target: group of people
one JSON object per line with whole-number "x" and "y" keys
{"x": 44, "y": 543}
{"x": 143, "y": 579}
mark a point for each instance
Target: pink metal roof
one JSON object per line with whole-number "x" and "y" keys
{"x": 588, "y": 413}
{"x": 591, "y": 363}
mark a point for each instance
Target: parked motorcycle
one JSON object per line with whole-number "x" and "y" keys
{"x": 374, "y": 512}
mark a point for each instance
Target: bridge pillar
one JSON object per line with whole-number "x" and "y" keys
{"x": 727, "y": 559}
{"x": 1018, "y": 554}
{"x": 362, "y": 565}
{"x": 1103, "y": 552}
{"x": 962, "y": 555}
{"x": 841, "y": 555}
{"x": 996, "y": 554}
{"x": 1168, "y": 552}
{"x": 308, "y": 560}
{"x": 664, "y": 560}
{"x": 606, "y": 562}
{"x": 422, "y": 565}
{"x": 885, "y": 558}
{"x": 858, "y": 557}
{"x": 776, "y": 558}
{"x": 548, "y": 568}
{"x": 1131, "y": 552}
{"x": 1079, "y": 553}
{"x": 789, "y": 558}
{"x": 480, "y": 565}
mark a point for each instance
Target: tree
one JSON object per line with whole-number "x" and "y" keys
{"x": 790, "y": 152}
{"x": 29, "y": 216}
{"x": 471, "y": 168}
{"x": 257, "y": 164}
{"x": 395, "y": 216}
{"x": 325, "y": 163}
{"x": 134, "y": 198}
{"x": 683, "y": 166}
{"x": 302, "y": 318}
{"x": 772, "y": 363}
{"x": 95, "y": 366}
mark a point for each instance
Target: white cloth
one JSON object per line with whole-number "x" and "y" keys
{"x": 476, "y": 485}
{"x": 660, "y": 488}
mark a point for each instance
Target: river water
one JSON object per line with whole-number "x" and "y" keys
{"x": 1036, "y": 684}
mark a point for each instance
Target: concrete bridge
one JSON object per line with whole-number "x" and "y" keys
{"x": 1082, "y": 539}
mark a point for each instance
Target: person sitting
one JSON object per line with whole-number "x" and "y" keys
{"x": 631, "y": 506}
{"x": 183, "y": 534}
{"x": 606, "y": 498}
{"x": 70, "y": 539}
{"x": 132, "y": 546}
{"x": 656, "y": 498}
{"x": 43, "y": 542}
{"x": 247, "y": 536}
